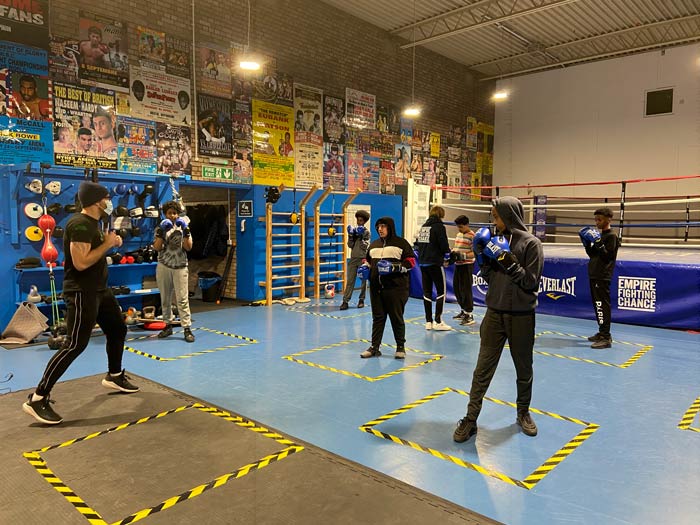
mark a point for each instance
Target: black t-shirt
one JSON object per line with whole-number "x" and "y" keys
{"x": 83, "y": 228}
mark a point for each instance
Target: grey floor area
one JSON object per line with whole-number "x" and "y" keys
{"x": 130, "y": 470}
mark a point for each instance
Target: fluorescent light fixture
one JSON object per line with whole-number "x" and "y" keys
{"x": 249, "y": 65}
{"x": 411, "y": 111}
{"x": 500, "y": 95}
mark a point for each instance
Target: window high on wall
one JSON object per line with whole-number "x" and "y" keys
{"x": 658, "y": 102}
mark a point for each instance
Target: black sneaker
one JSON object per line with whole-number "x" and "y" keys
{"x": 41, "y": 411}
{"x": 360, "y": 304}
{"x": 165, "y": 332}
{"x": 465, "y": 429}
{"x": 467, "y": 320}
{"x": 525, "y": 421}
{"x": 595, "y": 337}
{"x": 370, "y": 352}
{"x": 120, "y": 382}
{"x": 460, "y": 315}
{"x": 400, "y": 353}
{"x": 189, "y": 336}
{"x": 344, "y": 306}
{"x": 603, "y": 342}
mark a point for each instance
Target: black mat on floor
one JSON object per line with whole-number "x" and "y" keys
{"x": 182, "y": 461}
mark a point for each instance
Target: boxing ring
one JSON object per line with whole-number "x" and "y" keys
{"x": 650, "y": 287}
{"x": 657, "y": 275}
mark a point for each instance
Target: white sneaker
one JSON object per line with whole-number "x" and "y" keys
{"x": 429, "y": 326}
{"x": 441, "y": 326}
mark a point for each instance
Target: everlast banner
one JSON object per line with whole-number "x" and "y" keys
{"x": 25, "y": 21}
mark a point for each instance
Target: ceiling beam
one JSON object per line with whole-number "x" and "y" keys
{"x": 590, "y": 58}
{"x": 586, "y": 40}
{"x": 480, "y": 16}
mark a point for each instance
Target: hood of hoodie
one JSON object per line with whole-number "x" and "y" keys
{"x": 510, "y": 209}
{"x": 432, "y": 219}
{"x": 390, "y": 226}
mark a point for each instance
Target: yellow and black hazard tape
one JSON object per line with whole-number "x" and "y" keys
{"x": 249, "y": 341}
{"x": 687, "y": 419}
{"x": 529, "y": 482}
{"x": 295, "y": 358}
{"x": 35, "y": 459}
{"x": 329, "y": 316}
{"x": 643, "y": 350}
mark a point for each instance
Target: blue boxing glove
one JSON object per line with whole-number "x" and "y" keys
{"x": 582, "y": 235}
{"x": 481, "y": 239}
{"x": 498, "y": 249}
{"x": 182, "y": 224}
{"x": 363, "y": 271}
{"x": 351, "y": 231}
{"x": 592, "y": 236}
{"x": 166, "y": 225}
{"x": 385, "y": 267}
{"x": 360, "y": 230}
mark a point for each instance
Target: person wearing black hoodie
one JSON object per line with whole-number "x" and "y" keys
{"x": 511, "y": 263}
{"x": 433, "y": 252}
{"x": 389, "y": 259}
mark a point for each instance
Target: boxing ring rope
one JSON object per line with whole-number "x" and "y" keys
{"x": 565, "y": 215}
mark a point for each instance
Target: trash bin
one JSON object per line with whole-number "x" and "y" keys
{"x": 209, "y": 283}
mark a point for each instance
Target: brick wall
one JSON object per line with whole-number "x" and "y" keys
{"x": 318, "y": 45}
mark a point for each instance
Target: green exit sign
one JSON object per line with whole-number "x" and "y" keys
{"x": 215, "y": 172}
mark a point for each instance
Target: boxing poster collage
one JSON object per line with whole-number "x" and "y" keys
{"x": 89, "y": 102}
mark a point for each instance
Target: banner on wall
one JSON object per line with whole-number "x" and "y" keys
{"x": 174, "y": 149}
{"x": 84, "y": 126}
{"x": 158, "y": 96}
{"x": 214, "y": 128}
{"x": 360, "y": 109}
{"x": 308, "y": 136}
{"x": 103, "y": 52}
{"x": 214, "y": 70}
{"x": 434, "y": 145}
{"x": 64, "y": 59}
{"x": 370, "y": 174}
{"x": 151, "y": 47}
{"x": 177, "y": 56}
{"x": 333, "y": 119}
{"x": 355, "y": 172}
{"x": 273, "y": 146}
{"x": 243, "y": 162}
{"x": 137, "y": 145}
{"x": 402, "y": 162}
{"x": 334, "y": 165}
{"x": 25, "y": 22}
{"x": 25, "y": 105}
{"x": 471, "y": 133}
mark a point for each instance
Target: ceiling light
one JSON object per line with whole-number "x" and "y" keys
{"x": 500, "y": 95}
{"x": 249, "y": 65}
{"x": 413, "y": 110}
{"x": 248, "y": 62}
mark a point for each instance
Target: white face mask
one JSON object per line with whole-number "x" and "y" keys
{"x": 109, "y": 208}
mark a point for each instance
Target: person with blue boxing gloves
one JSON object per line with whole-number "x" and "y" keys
{"x": 389, "y": 260}
{"x": 511, "y": 263}
{"x": 358, "y": 241}
{"x": 173, "y": 240}
{"x": 601, "y": 246}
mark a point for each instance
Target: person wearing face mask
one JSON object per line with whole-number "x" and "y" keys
{"x": 88, "y": 301}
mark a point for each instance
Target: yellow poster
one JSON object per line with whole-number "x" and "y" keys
{"x": 434, "y": 145}
{"x": 475, "y": 190}
{"x": 273, "y": 144}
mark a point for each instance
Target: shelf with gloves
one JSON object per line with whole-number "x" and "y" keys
{"x": 44, "y": 269}
{"x": 60, "y": 302}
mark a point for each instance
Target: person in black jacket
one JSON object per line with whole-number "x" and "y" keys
{"x": 601, "y": 246}
{"x": 511, "y": 263}
{"x": 389, "y": 259}
{"x": 433, "y": 254}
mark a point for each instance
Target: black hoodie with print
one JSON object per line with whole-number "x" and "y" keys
{"x": 517, "y": 291}
{"x": 392, "y": 248}
{"x": 432, "y": 243}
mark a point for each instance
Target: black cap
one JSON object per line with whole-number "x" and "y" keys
{"x": 91, "y": 192}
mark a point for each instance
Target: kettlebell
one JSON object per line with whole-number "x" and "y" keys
{"x": 56, "y": 341}
{"x": 33, "y": 296}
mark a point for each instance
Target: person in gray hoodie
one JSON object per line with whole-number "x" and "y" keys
{"x": 358, "y": 242}
{"x": 511, "y": 263}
